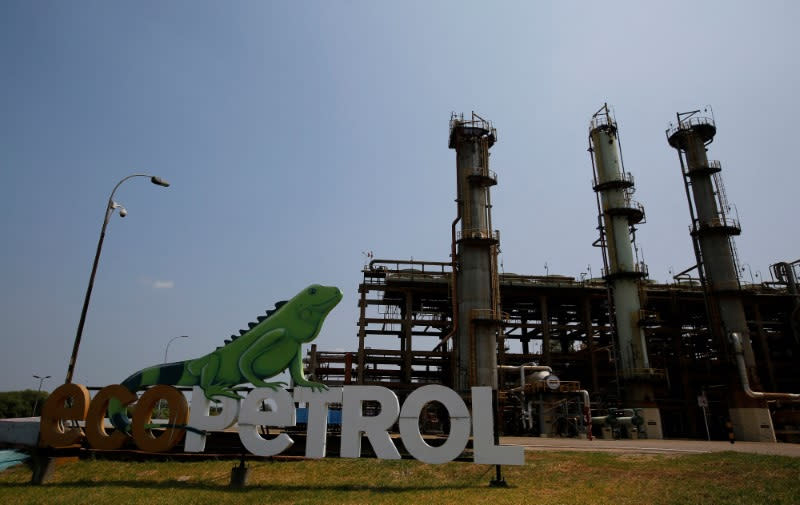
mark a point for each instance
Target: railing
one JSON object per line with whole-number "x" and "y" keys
{"x": 713, "y": 165}
{"x": 484, "y": 172}
{"x": 457, "y": 120}
{"x": 488, "y": 315}
{"x": 600, "y": 120}
{"x": 629, "y": 203}
{"x": 645, "y": 373}
{"x": 687, "y": 124}
{"x": 721, "y": 221}
{"x": 385, "y": 265}
{"x": 478, "y": 233}
{"x": 626, "y": 177}
{"x": 638, "y": 268}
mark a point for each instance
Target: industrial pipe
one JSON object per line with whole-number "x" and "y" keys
{"x": 522, "y": 369}
{"x": 736, "y": 340}
{"x": 587, "y": 412}
{"x": 610, "y": 420}
{"x": 634, "y": 419}
{"x": 454, "y": 294}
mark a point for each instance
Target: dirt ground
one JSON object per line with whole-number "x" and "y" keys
{"x": 646, "y": 446}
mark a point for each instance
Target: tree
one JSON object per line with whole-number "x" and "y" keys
{"x": 21, "y": 403}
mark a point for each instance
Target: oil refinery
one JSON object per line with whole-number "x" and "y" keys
{"x": 702, "y": 356}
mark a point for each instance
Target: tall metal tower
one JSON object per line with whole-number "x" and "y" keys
{"x": 713, "y": 228}
{"x": 478, "y": 288}
{"x": 618, "y": 214}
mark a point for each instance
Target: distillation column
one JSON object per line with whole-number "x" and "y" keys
{"x": 623, "y": 273}
{"x": 475, "y": 346}
{"x": 712, "y": 235}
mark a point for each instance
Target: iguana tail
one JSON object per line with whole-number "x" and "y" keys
{"x": 169, "y": 373}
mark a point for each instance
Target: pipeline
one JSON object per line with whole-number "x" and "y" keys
{"x": 453, "y": 268}
{"x": 587, "y": 409}
{"x": 522, "y": 369}
{"x": 736, "y": 340}
{"x": 587, "y": 413}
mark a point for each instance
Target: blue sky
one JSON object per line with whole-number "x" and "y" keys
{"x": 298, "y": 134}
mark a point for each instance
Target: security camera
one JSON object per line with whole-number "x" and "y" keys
{"x": 123, "y": 212}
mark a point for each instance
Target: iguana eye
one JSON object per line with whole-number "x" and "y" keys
{"x": 312, "y": 291}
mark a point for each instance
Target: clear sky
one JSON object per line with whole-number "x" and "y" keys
{"x": 298, "y": 134}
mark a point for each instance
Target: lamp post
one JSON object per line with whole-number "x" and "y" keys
{"x": 36, "y": 403}
{"x": 752, "y": 281}
{"x": 110, "y": 207}
{"x": 170, "y": 341}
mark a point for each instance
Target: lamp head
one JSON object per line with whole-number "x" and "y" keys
{"x": 122, "y": 210}
{"x": 158, "y": 181}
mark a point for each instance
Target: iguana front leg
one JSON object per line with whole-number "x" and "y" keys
{"x": 258, "y": 348}
{"x": 207, "y": 369}
{"x": 296, "y": 370}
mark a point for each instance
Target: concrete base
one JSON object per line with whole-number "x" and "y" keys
{"x": 652, "y": 423}
{"x": 752, "y": 424}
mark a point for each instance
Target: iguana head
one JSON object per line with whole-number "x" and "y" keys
{"x": 309, "y": 308}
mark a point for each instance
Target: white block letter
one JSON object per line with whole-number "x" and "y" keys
{"x": 375, "y": 427}
{"x": 281, "y": 414}
{"x": 483, "y": 433}
{"x": 318, "y": 402}
{"x": 459, "y": 424}
{"x": 200, "y": 419}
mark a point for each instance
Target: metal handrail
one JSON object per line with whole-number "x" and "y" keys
{"x": 721, "y": 221}
{"x": 489, "y": 314}
{"x": 601, "y": 120}
{"x": 645, "y": 372}
{"x": 639, "y": 268}
{"x": 382, "y": 264}
{"x": 457, "y": 120}
{"x": 484, "y": 172}
{"x": 687, "y": 124}
{"x": 618, "y": 177}
{"x": 478, "y": 233}
{"x": 629, "y": 203}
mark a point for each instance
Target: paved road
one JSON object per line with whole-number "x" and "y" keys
{"x": 650, "y": 446}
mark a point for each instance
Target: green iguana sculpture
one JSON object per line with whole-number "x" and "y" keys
{"x": 267, "y": 348}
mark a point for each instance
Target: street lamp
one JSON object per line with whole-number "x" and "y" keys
{"x": 36, "y": 403}
{"x": 170, "y": 341}
{"x": 752, "y": 281}
{"x": 110, "y": 207}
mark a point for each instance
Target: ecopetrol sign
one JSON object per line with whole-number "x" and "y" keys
{"x": 276, "y": 408}
{"x": 270, "y": 345}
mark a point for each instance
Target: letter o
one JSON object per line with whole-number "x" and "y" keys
{"x": 178, "y": 415}
{"x": 459, "y": 424}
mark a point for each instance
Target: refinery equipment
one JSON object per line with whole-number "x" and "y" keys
{"x": 477, "y": 291}
{"x": 713, "y": 228}
{"x": 621, "y": 355}
{"x": 618, "y": 214}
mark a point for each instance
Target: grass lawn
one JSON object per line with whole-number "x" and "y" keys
{"x": 548, "y": 477}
